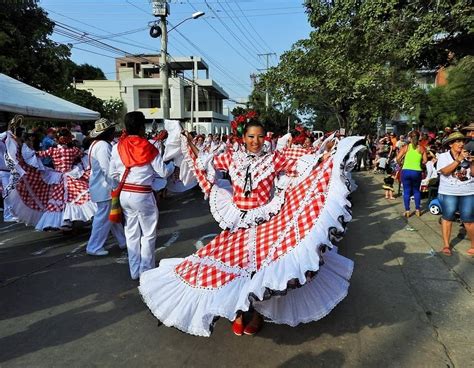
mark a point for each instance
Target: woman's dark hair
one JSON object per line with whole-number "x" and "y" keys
{"x": 415, "y": 138}
{"x": 35, "y": 140}
{"x": 65, "y": 137}
{"x": 134, "y": 122}
{"x": 86, "y": 143}
{"x": 253, "y": 124}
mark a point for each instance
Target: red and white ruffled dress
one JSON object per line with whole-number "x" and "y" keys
{"x": 47, "y": 198}
{"x": 276, "y": 251}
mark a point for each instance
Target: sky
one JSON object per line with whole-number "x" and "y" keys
{"x": 229, "y": 37}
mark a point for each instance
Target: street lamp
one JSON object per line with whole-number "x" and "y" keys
{"x": 161, "y": 9}
{"x": 193, "y": 16}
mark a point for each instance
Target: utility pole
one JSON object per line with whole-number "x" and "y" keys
{"x": 161, "y": 9}
{"x": 267, "y": 94}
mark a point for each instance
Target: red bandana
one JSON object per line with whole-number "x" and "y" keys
{"x": 136, "y": 151}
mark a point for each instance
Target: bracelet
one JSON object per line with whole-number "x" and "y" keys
{"x": 457, "y": 161}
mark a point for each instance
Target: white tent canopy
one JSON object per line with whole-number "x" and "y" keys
{"x": 20, "y": 98}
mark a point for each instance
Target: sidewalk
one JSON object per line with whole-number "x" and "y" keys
{"x": 442, "y": 285}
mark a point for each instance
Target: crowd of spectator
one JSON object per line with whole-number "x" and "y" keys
{"x": 438, "y": 164}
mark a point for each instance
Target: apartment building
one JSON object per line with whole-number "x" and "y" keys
{"x": 195, "y": 99}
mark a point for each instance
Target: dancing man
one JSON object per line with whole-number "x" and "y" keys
{"x": 133, "y": 163}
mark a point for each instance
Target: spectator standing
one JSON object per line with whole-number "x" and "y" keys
{"x": 456, "y": 189}
{"x": 48, "y": 142}
{"x": 100, "y": 187}
{"x": 412, "y": 156}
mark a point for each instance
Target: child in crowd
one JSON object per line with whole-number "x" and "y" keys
{"x": 388, "y": 183}
{"x": 381, "y": 163}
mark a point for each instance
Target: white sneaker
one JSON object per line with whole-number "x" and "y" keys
{"x": 100, "y": 253}
{"x": 13, "y": 219}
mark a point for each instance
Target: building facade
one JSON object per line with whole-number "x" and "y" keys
{"x": 196, "y": 101}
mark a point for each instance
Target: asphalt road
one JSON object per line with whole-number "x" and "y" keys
{"x": 406, "y": 307}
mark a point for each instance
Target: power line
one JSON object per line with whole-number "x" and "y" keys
{"x": 239, "y": 41}
{"x": 113, "y": 35}
{"x": 217, "y": 70}
{"x": 92, "y": 26}
{"x": 216, "y": 64}
{"x": 251, "y": 26}
{"x": 241, "y": 28}
{"x": 82, "y": 36}
{"x": 226, "y": 41}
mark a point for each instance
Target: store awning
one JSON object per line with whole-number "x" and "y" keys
{"x": 20, "y": 98}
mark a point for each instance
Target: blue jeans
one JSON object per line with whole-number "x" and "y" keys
{"x": 451, "y": 203}
{"x": 411, "y": 180}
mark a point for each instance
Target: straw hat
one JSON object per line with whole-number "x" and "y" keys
{"x": 101, "y": 126}
{"x": 454, "y": 137}
{"x": 469, "y": 127}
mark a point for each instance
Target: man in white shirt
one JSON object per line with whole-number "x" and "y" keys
{"x": 134, "y": 162}
{"x": 100, "y": 186}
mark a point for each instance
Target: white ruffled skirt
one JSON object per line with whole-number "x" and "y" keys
{"x": 287, "y": 267}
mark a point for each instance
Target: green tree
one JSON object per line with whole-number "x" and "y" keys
{"x": 359, "y": 64}
{"x": 114, "y": 110}
{"x": 85, "y": 72}
{"x": 453, "y": 103}
{"x": 27, "y": 53}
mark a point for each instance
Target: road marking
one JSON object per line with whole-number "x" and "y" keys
{"x": 4, "y": 229}
{"x": 200, "y": 243}
{"x": 174, "y": 237}
{"x": 44, "y": 250}
{"x": 122, "y": 260}
{"x": 3, "y": 242}
{"x": 78, "y": 248}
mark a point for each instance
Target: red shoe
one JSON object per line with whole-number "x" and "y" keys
{"x": 238, "y": 328}
{"x": 251, "y": 329}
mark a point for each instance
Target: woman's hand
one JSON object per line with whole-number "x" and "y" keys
{"x": 464, "y": 155}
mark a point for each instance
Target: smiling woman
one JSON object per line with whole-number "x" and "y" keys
{"x": 254, "y": 136}
{"x": 272, "y": 258}
{"x": 456, "y": 188}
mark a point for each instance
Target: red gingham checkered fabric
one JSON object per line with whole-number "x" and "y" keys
{"x": 249, "y": 249}
{"x": 34, "y": 192}
{"x": 63, "y": 157}
{"x": 39, "y": 196}
{"x": 295, "y": 152}
{"x": 259, "y": 196}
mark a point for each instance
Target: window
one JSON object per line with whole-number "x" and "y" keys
{"x": 149, "y": 98}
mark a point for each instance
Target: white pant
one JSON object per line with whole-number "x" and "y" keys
{"x": 7, "y": 208}
{"x": 141, "y": 220}
{"x": 101, "y": 226}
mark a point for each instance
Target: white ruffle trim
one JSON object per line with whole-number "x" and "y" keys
{"x": 50, "y": 220}
{"x": 21, "y": 211}
{"x": 79, "y": 212}
{"x": 193, "y": 310}
{"x": 316, "y": 299}
{"x": 187, "y": 176}
{"x": 230, "y": 217}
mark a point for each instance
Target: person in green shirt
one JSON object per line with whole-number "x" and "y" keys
{"x": 411, "y": 157}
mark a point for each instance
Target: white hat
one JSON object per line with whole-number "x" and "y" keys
{"x": 101, "y": 126}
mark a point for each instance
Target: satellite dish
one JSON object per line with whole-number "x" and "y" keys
{"x": 155, "y": 31}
